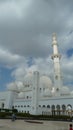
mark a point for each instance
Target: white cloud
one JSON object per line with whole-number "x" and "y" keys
{"x": 19, "y": 73}
{"x": 9, "y": 59}
{"x": 67, "y": 69}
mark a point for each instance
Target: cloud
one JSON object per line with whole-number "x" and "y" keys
{"x": 26, "y": 28}
{"x": 13, "y": 10}
{"x": 67, "y": 69}
{"x": 9, "y": 59}
{"x": 30, "y": 35}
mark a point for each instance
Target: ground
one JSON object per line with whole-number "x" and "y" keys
{"x": 23, "y": 125}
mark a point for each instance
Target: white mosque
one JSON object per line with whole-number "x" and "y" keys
{"x": 37, "y": 94}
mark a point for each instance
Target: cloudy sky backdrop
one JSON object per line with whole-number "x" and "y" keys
{"x": 26, "y": 28}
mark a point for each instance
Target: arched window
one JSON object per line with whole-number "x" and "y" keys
{"x": 69, "y": 105}
{"x": 2, "y": 105}
{"x": 63, "y": 107}
{"x": 28, "y": 106}
{"x": 53, "y": 107}
{"x": 27, "y": 97}
{"x": 39, "y": 105}
{"x": 12, "y": 107}
{"x": 40, "y": 89}
{"x": 43, "y": 89}
{"x": 24, "y": 105}
{"x": 48, "y": 106}
{"x": 43, "y": 105}
{"x": 58, "y": 107}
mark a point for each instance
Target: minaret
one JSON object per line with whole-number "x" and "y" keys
{"x": 56, "y": 58}
{"x": 35, "y": 93}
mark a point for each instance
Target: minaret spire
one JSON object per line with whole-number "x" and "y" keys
{"x": 56, "y": 58}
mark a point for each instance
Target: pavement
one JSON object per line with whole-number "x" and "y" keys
{"x": 6, "y": 124}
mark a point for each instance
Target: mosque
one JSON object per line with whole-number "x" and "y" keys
{"x": 37, "y": 94}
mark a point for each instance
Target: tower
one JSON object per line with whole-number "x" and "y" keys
{"x": 56, "y": 59}
{"x": 35, "y": 93}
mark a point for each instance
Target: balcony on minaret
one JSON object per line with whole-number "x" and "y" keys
{"x": 56, "y": 56}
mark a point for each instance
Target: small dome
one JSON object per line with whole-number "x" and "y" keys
{"x": 47, "y": 93}
{"x": 71, "y": 92}
{"x": 12, "y": 87}
{"x": 45, "y": 82}
{"x": 20, "y": 85}
{"x": 65, "y": 90}
{"x": 28, "y": 78}
{"x": 21, "y": 95}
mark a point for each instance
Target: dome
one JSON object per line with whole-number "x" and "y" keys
{"x": 28, "y": 78}
{"x": 47, "y": 93}
{"x": 45, "y": 82}
{"x": 12, "y": 87}
{"x": 65, "y": 90}
{"x": 20, "y": 85}
{"x": 21, "y": 95}
{"x": 71, "y": 92}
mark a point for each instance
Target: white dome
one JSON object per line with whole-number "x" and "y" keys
{"x": 71, "y": 92}
{"x": 21, "y": 95}
{"x": 65, "y": 90}
{"x": 20, "y": 85}
{"x": 28, "y": 79}
{"x": 45, "y": 82}
{"x": 12, "y": 87}
{"x": 47, "y": 93}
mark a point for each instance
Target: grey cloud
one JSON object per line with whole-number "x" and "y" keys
{"x": 43, "y": 17}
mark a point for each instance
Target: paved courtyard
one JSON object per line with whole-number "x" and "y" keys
{"x": 22, "y": 125}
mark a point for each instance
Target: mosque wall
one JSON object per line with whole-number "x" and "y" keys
{"x": 3, "y": 96}
{"x": 22, "y": 105}
{"x": 36, "y": 94}
{"x": 44, "y": 104}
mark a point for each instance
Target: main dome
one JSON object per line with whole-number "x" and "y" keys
{"x": 45, "y": 82}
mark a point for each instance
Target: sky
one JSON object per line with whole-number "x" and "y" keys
{"x": 26, "y": 28}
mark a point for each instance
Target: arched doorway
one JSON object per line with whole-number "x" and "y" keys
{"x": 48, "y": 109}
{"x": 69, "y": 109}
{"x": 53, "y": 109}
{"x": 48, "y": 106}
{"x": 2, "y": 105}
{"x": 58, "y": 109}
{"x": 63, "y": 109}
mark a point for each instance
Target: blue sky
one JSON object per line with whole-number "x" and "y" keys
{"x": 26, "y": 28}
{"x": 5, "y": 77}
{"x": 70, "y": 52}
